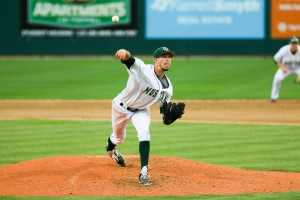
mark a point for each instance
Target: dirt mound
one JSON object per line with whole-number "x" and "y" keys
{"x": 100, "y": 176}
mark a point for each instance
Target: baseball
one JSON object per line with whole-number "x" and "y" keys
{"x": 115, "y": 19}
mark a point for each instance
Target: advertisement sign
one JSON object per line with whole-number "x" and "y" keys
{"x": 285, "y": 18}
{"x": 199, "y": 19}
{"x": 78, "y": 18}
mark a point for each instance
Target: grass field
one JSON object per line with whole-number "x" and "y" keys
{"x": 286, "y": 196}
{"x": 256, "y": 147}
{"x": 210, "y": 78}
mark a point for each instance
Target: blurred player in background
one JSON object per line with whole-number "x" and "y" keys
{"x": 288, "y": 61}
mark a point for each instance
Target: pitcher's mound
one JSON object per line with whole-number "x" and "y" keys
{"x": 100, "y": 176}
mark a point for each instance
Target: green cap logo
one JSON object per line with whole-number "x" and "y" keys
{"x": 294, "y": 39}
{"x": 163, "y": 50}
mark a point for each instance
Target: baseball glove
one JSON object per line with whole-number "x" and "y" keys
{"x": 171, "y": 111}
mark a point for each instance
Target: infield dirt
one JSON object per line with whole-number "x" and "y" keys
{"x": 219, "y": 111}
{"x": 100, "y": 176}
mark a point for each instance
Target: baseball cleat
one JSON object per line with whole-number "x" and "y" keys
{"x": 117, "y": 157}
{"x": 144, "y": 176}
{"x": 273, "y": 100}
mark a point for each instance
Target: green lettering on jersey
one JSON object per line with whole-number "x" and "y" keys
{"x": 163, "y": 97}
{"x": 152, "y": 91}
{"x": 147, "y": 90}
{"x": 156, "y": 92}
{"x": 166, "y": 97}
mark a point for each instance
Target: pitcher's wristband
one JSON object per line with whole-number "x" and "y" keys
{"x": 129, "y": 62}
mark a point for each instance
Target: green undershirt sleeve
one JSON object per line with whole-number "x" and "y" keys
{"x": 129, "y": 62}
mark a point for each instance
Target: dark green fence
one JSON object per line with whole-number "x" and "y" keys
{"x": 11, "y": 42}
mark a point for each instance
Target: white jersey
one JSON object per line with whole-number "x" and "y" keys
{"x": 285, "y": 57}
{"x": 143, "y": 87}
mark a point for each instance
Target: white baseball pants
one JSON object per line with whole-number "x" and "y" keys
{"x": 280, "y": 76}
{"x": 120, "y": 118}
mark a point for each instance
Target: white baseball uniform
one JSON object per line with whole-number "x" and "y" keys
{"x": 144, "y": 89}
{"x": 291, "y": 62}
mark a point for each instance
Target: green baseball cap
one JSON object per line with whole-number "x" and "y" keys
{"x": 163, "y": 50}
{"x": 294, "y": 39}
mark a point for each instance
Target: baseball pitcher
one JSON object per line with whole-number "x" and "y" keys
{"x": 288, "y": 61}
{"x": 147, "y": 85}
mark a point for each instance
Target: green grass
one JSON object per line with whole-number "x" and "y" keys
{"x": 286, "y": 196}
{"x": 201, "y": 78}
{"x": 255, "y": 147}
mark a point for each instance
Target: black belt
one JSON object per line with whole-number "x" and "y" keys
{"x": 128, "y": 108}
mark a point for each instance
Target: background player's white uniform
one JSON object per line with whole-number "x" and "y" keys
{"x": 143, "y": 90}
{"x": 291, "y": 62}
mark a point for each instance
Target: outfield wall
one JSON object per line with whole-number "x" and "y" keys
{"x": 12, "y": 43}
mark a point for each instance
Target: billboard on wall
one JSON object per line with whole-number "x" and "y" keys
{"x": 78, "y": 18}
{"x": 285, "y": 18}
{"x": 197, "y": 19}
